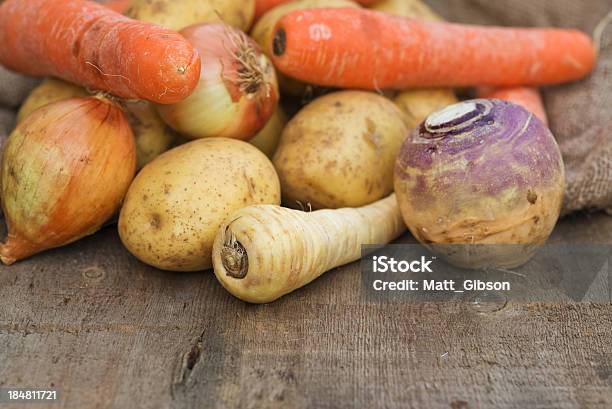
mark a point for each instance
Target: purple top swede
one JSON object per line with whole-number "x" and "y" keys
{"x": 481, "y": 172}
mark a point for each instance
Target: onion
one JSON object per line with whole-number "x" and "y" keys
{"x": 153, "y": 136}
{"x": 237, "y": 93}
{"x": 481, "y": 172}
{"x": 65, "y": 171}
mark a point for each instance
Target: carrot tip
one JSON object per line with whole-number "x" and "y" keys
{"x": 280, "y": 42}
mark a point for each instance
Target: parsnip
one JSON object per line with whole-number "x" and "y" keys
{"x": 263, "y": 252}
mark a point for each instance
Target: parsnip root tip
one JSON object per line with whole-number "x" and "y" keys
{"x": 235, "y": 258}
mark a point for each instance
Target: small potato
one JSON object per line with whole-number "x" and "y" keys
{"x": 50, "y": 90}
{"x": 340, "y": 151}
{"x": 152, "y": 135}
{"x": 408, "y": 8}
{"x": 176, "y": 204}
{"x": 417, "y": 104}
{"x": 236, "y": 13}
{"x": 267, "y": 139}
{"x": 178, "y": 14}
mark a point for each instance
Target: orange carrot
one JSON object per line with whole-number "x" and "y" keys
{"x": 359, "y": 48}
{"x": 93, "y": 46}
{"x": 527, "y": 97}
{"x": 120, "y": 6}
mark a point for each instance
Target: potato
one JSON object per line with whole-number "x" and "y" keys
{"x": 153, "y": 136}
{"x": 263, "y": 33}
{"x": 267, "y": 139}
{"x": 340, "y": 151}
{"x": 151, "y": 133}
{"x": 417, "y": 104}
{"x": 176, "y": 204}
{"x": 236, "y": 13}
{"x": 50, "y": 90}
{"x": 178, "y": 14}
{"x": 408, "y": 8}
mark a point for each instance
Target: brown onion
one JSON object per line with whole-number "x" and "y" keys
{"x": 237, "y": 93}
{"x": 152, "y": 135}
{"x": 65, "y": 171}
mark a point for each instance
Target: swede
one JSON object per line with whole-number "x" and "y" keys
{"x": 481, "y": 172}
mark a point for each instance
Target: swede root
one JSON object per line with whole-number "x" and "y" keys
{"x": 263, "y": 252}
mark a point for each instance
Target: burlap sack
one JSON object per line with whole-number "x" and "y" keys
{"x": 580, "y": 113}
{"x": 14, "y": 88}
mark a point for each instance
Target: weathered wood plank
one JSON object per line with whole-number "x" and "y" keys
{"x": 110, "y": 332}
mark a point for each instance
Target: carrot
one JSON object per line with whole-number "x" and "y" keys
{"x": 263, "y": 252}
{"x": 120, "y": 6}
{"x": 359, "y": 48}
{"x": 527, "y": 97}
{"x": 93, "y": 46}
{"x": 417, "y": 104}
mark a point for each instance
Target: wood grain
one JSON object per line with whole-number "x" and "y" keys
{"x": 110, "y": 332}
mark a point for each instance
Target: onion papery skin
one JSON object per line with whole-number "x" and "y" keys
{"x": 222, "y": 105}
{"x": 481, "y": 172}
{"x": 65, "y": 171}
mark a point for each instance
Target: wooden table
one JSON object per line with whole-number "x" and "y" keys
{"x": 110, "y": 332}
